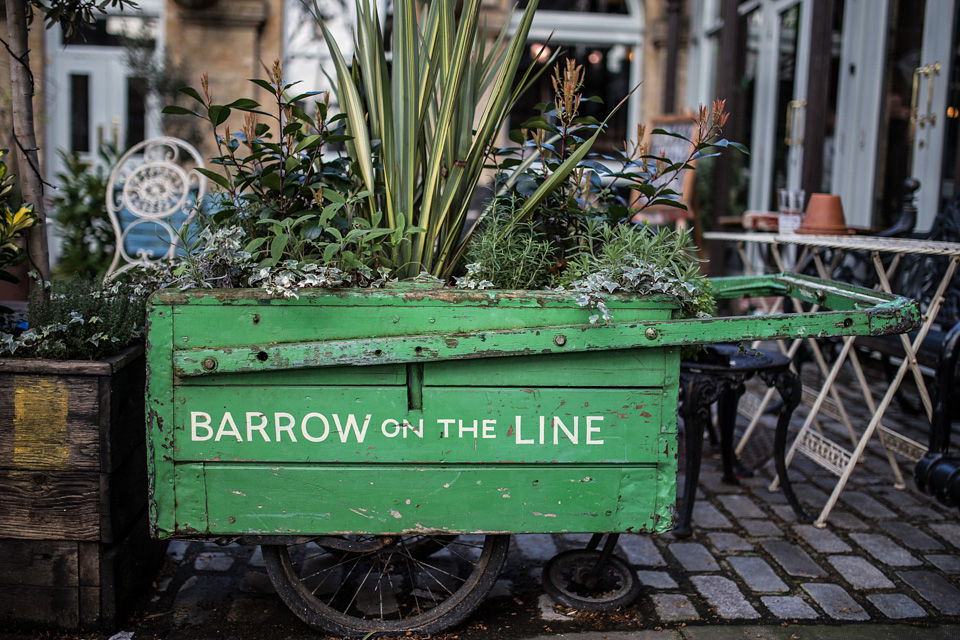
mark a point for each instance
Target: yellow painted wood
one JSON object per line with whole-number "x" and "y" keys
{"x": 40, "y": 423}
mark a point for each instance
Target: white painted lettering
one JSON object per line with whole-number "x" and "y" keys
{"x": 394, "y": 427}
{"x": 287, "y": 428}
{"x": 472, "y": 429}
{"x": 592, "y": 429}
{"x": 519, "y": 439}
{"x": 232, "y": 431}
{"x": 262, "y": 419}
{"x": 359, "y": 432}
{"x": 543, "y": 421}
{"x": 407, "y": 427}
{"x": 488, "y": 428}
{"x": 572, "y": 437}
{"x": 306, "y": 434}
{"x": 446, "y": 426}
{"x": 200, "y": 420}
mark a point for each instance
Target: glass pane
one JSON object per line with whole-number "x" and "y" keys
{"x": 786, "y": 76}
{"x": 79, "y": 113}
{"x": 606, "y": 74}
{"x": 136, "y": 111}
{"x": 950, "y": 176}
{"x": 896, "y": 142}
{"x": 751, "y": 28}
{"x": 115, "y": 31}
{"x": 829, "y": 133}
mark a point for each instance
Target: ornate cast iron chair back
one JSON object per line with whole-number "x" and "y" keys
{"x": 152, "y": 192}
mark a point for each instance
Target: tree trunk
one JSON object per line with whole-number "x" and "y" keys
{"x": 21, "y": 80}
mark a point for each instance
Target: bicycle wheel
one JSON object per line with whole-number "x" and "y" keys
{"x": 570, "y": 579}
{"x": 387, "y": 585}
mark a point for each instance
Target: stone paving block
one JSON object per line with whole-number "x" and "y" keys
{"x": 694, "y": 556}
{"x": 709, "y": 517}
{"x": 859, "y": 572}
{"x": 793, "y": 559}
{"x": 256, "y": 558}
{"x": 641, "y": 551}
{"x": 785, "y": 513}
{"x": 896, "y": 605}
{"x": 548, "y": 610}
{"x": 835, "y": 601}
{"x": 177, "y": 549}
{"x": 761, "y": 528}
{"x": 923, "y": 513}
{"x": 538, "y": 547}
{"x": 213, "y": 561}
{"x": 934, "y": 589}
{"x": 897, "y": 497}
{"x": 657, "y": 579}
{"x": 724, "y": 596}
{"x": 910, "y": 536}
{"x": 866, "y": 505}
{"x": 758, "y": 575}
{"x": 767, "y": 496}
{"x": 846, "y": 520}
{"x": 885, "y": 550}
{"x": 949, "y": 532}
{"x": 822, "y": 540}
{"x": 723, "y": 541}
{"x": 789, "y": 607}
{"x": 741, "y": 506}
{"x": 714, "y": 480}
{"x": 947, "y": 564}
{"x": 809, "y": 493}
{"x": 672, "y": 607}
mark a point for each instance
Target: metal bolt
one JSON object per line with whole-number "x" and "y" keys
{"x": 651, "y": 333}
{"x": 560, "y": 339}
{"x": 209, "y": 364}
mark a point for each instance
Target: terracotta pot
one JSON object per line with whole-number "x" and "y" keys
{"x": 824, "y": 216}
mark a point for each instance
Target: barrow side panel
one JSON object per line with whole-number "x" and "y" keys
{"x": 536, "y": 443}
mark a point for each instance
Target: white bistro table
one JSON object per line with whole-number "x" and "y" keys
{"x": 811, "y": 441}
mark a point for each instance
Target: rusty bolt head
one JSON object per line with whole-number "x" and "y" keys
{"x": 560, "y": 339}
{"x": 651, "y": 333}
{"x": 209, "y": 364}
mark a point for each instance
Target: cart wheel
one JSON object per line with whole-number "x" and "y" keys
{"x": 387, "y": 588}
{"x": 570, "y": 579}
{"x": 419, "y": 547}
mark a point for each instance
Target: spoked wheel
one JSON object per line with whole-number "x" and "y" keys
{"x": 385, "y": 584}
{"x": 573, "y": 578}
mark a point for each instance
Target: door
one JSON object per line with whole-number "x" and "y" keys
{"x": 777, "y": 52}
{"x": 895, "y": 118}
{"x": 93, "y": 98}
{"x": 928, "y": 110}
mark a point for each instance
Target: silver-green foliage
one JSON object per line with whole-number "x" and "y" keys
{"x": 638, "y": 259}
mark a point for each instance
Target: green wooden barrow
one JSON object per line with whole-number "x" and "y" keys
{"x": 398, "y": 434}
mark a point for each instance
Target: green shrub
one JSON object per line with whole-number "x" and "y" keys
{"x": 78, "y": 319}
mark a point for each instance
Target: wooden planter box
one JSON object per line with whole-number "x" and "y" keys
{"x": 75, "y": 549}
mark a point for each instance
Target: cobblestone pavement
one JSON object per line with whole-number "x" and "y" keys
{"x": 886, "y": 557}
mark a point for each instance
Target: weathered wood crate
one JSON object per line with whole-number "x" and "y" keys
{"x": 75, "y": 549}
{"x": 435, "y": 411}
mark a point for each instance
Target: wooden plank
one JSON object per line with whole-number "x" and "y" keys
{"x": 392, "y": 374}
{"x": 123, "y": 496}
{"x": 54, "y": 422}
{"x": 54, "y": 505}
{"x": 623, "y": 368}
{"x": 47, "y": 606}
{"x": 455, "y": 425}
{"x": 395, "y": 499}
{"x": 38, "y": 563}
{"x": 104, "y": 367}
{"x": 287, "y": 324}
{"x": 122, "y": 414}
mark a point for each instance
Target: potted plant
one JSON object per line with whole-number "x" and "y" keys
{"x": 74, "y": 540}
{"x": 332, "y": 375}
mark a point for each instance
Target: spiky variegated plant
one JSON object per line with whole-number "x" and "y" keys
{"x": 421, "y": 131}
